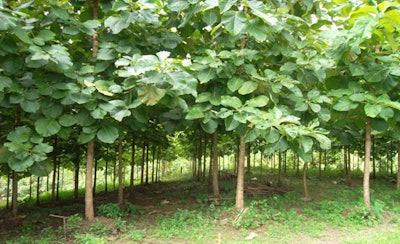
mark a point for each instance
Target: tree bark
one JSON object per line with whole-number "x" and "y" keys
{"x": 347, "y": 155}
{"x": 89, "y": 208}
{"x": 398, "y": 165}
{"x": 215, "y": 163}
{"x": 76, "y": 177}
{"x": 239, "y": 201}
{"x": 120, "y": 178}
{"x": 367, "y": 163}
{"x": 147, "y": 162}
{"x": 132, "y": 165}
{"x": 14, "y": 197}
{"x": 95, "y": 176}
{"x": 306, "y": 197}
{"x": 143, "y": 161}
{"x": 38, "y": 191}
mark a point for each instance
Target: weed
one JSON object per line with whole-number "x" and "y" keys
{"x": 74, "y": 223}
{"x": 120, "y": 224}
{"x": 257, "y": 214}
{"x": 98, "y": 229}
{"x": 111, "y": 210}
{"x": 368, "y": 216}
{"x": 89, "y": 239}
{"x": 184, "y": 224}
{"x": 135, "y": 234}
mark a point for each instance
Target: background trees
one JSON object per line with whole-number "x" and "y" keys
{"x": 283, "y": 73}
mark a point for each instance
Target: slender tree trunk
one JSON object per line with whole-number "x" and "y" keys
{"x": 147, "y": 163}
{"x": 58, "y": 180}
{"x": 76, "y": 177}
{"x": 9, "y": 173}
{"x": 132, "y": 164}
{"x": 38, "y": 191}
{"x": 349, "y": 182}
{"x": 96, "y": 162}
{"x": 199, "y": 154}
{"x": 14, "y": 197}
{"x": 239, "y": 201}
{"x": 30, "y": 187}
{"x": 367, "y": 163}
{"x": 215, "y": 163}
{"x": 279, "y": 167}
{"x": 106, "y": 173}
{"x": 153, "y": 160}
{"x": 306, "y": 197}
{"x": 205, "y": 157}
{"x": 261, "y": 162}
{"x": 120, "y": 178}
{"x": 89, "y": 208}
{"x": 53, "y": 186}
{"x": 248, "y": 158}
{"x": 373, "y": 157}
{"x": 398, "y": 165}
{"x": 143, "y": 162}
{"x": 320, "y": 164}
{"x": 114, "y": 175}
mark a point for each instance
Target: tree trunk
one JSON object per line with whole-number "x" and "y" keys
{"x": 248, "y": 158}
{"x": 367, "y": 163}
{"x": 96, "y": 162}
{"x": 143, "y": 162}
{"x": 89, "y": 208}
{"x": 153, "y": 160}
{"x": 147, "y": 162}
{"x": 30, "y": 188}
{"x": 132, "y": 165}
{"x": 215, "y": 163}
{"x": 53, "y": 186}
{"x": 306, "y": 197}
{"x": 120, "y": 178}
{"x": 347, "y": 154}
{"x": 76, "y": 177}
{"x": 106, "y": 173}
{"x": 58, "y": 180}
{"x": 398, "y": 165}
{"x": 14, "y": 197}
{"x": 373, "y": 157}
{"x": 205, "y": 157}
{"x": 320, "y": 164}
{"x": 279, "y": 167}
{"x": 199, "y": 154}
{"x": 8, "y": 188}
{"x": 38, "y": 191}
{"x": 239, "y": 201}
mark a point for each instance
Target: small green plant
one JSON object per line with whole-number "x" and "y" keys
{"x": 256, "y": 215}
{"x": 120, "y": 224}
{"x": 98, "y": 229}
{"x": 135, "y": 234}
{"x": 89, "y": 239}
{"x": 74, "y": 223}
{"x": 111, "y": 210}
{"x": 368, "y": 216}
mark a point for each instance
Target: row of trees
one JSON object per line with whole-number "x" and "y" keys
{"x": 284, "y": 72}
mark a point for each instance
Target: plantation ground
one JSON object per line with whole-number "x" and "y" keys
{"x": 183, "y": 212}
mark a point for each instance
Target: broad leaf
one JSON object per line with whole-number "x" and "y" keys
{"x": 248, "y": 87}
{"x": 108, "y": 134}
{"x": 47, "y": 127}
{"x": 234, "y": 21}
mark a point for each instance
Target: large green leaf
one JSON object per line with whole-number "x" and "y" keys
{"x": 231, "y": 123}
{"x": 344, "y": 104}
{"x": 42, "y": 168}
{"x": 178, "y": 5}
{"x": 210, "y": 126}
{"x": 20, "y": 134}
{"x": 194, "y": 113}
{"x": 229, "y": 101}
{"x": 259, "y": 101}
{"x": 150, "y": 95}
{"x": 248, "y": 87}
{"x": 108, "y": 134}
{"x": 119, "y": 23}
{"x": 47, "y": 127}
{"x": 234, "y": 21}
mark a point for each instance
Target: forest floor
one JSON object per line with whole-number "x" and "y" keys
{"x": 184, "y": 212}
